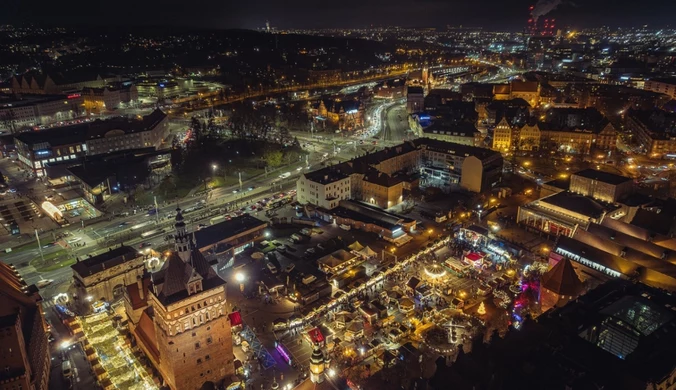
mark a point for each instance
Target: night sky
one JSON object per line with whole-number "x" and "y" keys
{"x": 490, "y": 14}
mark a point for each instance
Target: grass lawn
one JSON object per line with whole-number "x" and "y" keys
{"x": 52, "y": 261}
{"x": 233, "y": 178}
{"x": 24, "y": 247}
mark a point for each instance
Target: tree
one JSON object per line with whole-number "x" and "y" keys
{"x": 273, "y": 158}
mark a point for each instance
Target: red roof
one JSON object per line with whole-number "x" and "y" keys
{"x": 235, "y": 318}
{"x": 316, "y": 335}
{"x": 474, "y": 256}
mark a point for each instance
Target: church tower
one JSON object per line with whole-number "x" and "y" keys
{"x": 191, "y": 325}
{"x": 181, "y": 238}
{"x": 318, "y": 364}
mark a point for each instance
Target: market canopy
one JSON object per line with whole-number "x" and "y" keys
{"x": 367, "y": 252}
{"x": 316, "y": 335}
{"x": 235, "y": 318}
{"x": 355, "y": 246}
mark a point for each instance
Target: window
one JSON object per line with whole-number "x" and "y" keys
{"x": 209, "y": 340}
{"x": 199, "y": 361}
{"x": 207, "y": 358}
{"x": 197, "y": 345}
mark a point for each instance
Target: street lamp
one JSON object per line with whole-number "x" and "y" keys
{"x": 239, "y": 277}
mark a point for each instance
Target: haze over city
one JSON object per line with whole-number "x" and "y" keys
{"x": 375, "y": 195}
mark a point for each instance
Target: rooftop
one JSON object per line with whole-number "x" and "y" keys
{"x": 105, "y": 260}
{"x": 576, "y": 203}
{"x": 464, "y": 129}
{"x": 602, "y": 176}
{"x": 223, "y": 230}
{"x": 86, "y": 131}
{"x": 456, "y": 149}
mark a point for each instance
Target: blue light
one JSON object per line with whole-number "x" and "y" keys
{"x": 161, "y": 85}
{"x": 42, "y": 152}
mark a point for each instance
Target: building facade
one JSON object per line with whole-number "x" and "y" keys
{"x": 37, "y": 149}
{"x": 184, "y": 327}
{"x": 415, "y": 99}
{"x": 653, "y": 130}
{"x": 665, "y": 86}
{"x": 380, "y": 178}
{"x": 600, "y": 185}
{"x": 462, "y": 133}
{"x": 98, "y": 100}
{"x": 30, "y": 111}
{"x": 25, "y": 357}
{"x": 104, "y": 277}
{"x": 502, "y": 136}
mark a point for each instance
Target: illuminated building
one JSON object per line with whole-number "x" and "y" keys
{"x": 318, "y": 364}
{"x": 654, "y": 131}
{"x": 563, "y": 213}
{"x": 379, "y": 178}
{"x": 183, "y": 326}
{"x": 502, "y": 136}
{"x": 665, "y": 86}
{"x": 463, "y": 133}
{"x": 616, "y": 249}
{"x": 37, "y": 149}
{"x": 529, "y": 91}
{"x": 603, "y": 186}
{"x": 619, "y": 335}
{"x": 559, "y": 285}
{"x": 529, "y": 137}
{"x": 25, "y": 360}
{"x": 29, "y": 111}
{"x": 104, "y": 277}
{"x": 344, "y": 114}
{"x": 98, "y": 100}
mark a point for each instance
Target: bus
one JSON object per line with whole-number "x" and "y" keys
{"x": 217, "y": 219}
{"x": 151, "y": 233}
{"x": 277, "y": 203}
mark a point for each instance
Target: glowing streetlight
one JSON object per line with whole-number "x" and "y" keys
{"x": 239, "y": 277}
{"x": 214, "y": 167}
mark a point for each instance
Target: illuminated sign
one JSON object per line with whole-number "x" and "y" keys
{"x": 74, "y": 96}
{"x": 283, "y": 352}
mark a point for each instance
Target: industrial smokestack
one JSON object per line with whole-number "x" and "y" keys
{"x": 543, "y": 7}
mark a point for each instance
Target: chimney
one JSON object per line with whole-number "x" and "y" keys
{"x": 139, "y": 285}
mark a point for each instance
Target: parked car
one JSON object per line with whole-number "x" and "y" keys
{"x": 271, "y": 267}
{"x": 289, "y": 268}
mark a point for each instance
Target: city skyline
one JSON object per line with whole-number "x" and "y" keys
{"x": 488, "y": 14}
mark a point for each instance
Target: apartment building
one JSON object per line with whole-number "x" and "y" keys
{"x": 380, "y": 178}
{"x": 653, "y": 130}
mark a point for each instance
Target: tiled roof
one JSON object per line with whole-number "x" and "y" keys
{"x": 562, "y": 279}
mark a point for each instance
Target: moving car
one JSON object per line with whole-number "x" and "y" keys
{"x": 44, "y": 283}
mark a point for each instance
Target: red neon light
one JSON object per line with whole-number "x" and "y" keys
{"x": 74, "y": 95}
